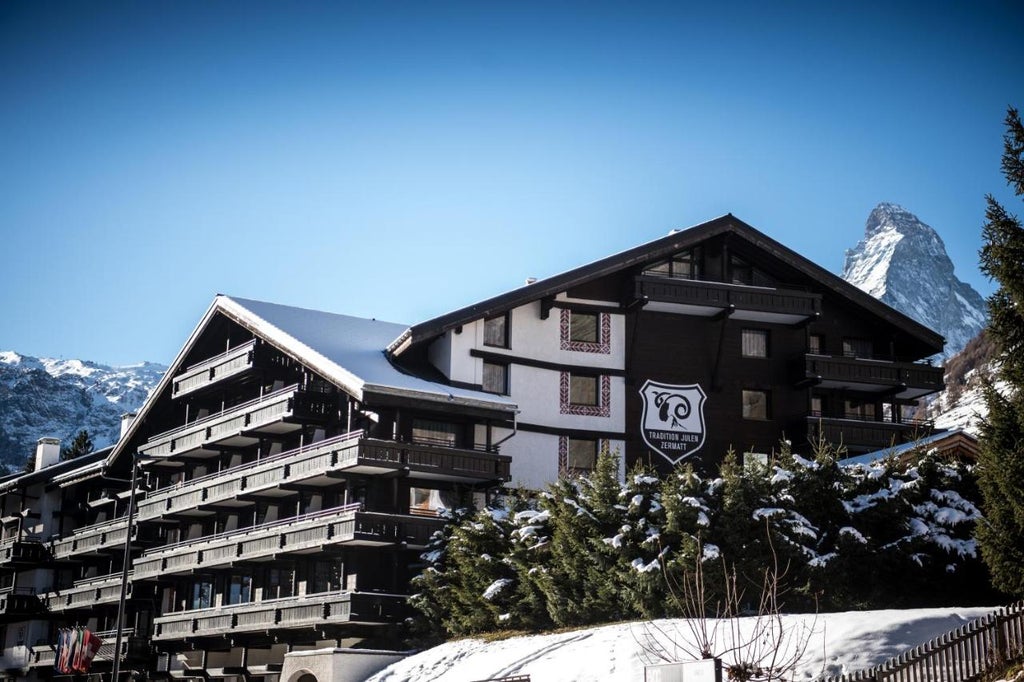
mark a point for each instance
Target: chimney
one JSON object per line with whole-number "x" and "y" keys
{"x": 47, "y": 452}
{"x": 126, "y": 423}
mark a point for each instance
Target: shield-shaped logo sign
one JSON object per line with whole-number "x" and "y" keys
{"x": 673, "y": 419}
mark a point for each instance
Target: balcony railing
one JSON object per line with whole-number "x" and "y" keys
{"x": 27, "y": 549}
{"x": 904, "y": 379}
{"x": 132, "y": 647}
{"x": 231, "y": 425}
{"x": 90, "y": 539}
{"x": 200, "y": 375}
{"x": 20, "y": 601}
{"x": 349, "y": 451}
{"x": 867, "y": 435}
{"x": 340, "y": 525}
{"x": 87, "y": 593}
{"x": 716, "y": 295}
{"x": 281, "y": 614}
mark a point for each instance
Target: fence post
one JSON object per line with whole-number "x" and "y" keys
{"x": 1001, "y": 653}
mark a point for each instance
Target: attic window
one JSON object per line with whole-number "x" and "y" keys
{"x": 496, "y": 331}
{"x": 742, "y": 272}
{"x": 683, "y": 265}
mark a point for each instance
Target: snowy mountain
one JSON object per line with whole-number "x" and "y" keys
{"x": 903, "y": 262}
{"x": 42, "y": 397}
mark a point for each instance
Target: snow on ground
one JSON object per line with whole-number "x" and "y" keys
{"x": 835, "y": 643}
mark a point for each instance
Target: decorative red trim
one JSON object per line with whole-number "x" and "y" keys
{"x": 563, "y": 456}
{"x": 604, "y": 344}
{"x": 604, "y": 399}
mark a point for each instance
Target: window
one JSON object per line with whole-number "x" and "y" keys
{"x": 427, "y": 432}
{"x": 855, "y": 409}
{"x": 495, "y": 379}
{"x": 742, "y": 272}
{"x": 816, "y": 344}
{"x": 581, "y": 455}
{"x": 496, "y": 331}
{"x": 583, "y": 327}
{"x": 202, "y": 595}
{"x": 857, "y": 348}
{"x": 428, "y": 501}
{"x": 684, "y": 265}
{"x": 755, "y": 343}
{"x": 586, "y": 332}
{"x": 582, "y": 390}
{"x": 755, "y": 404}
{"x": 239, "y": 589}
{"x": 817, "y": 406}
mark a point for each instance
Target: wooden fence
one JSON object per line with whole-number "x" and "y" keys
{"x": 962, "y": 655}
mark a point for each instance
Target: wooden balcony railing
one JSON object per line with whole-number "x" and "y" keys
{"x": 701, "y": 294}
{"x": 132, "y": 647}
{"x": 340, "y": 525}
{"x": 280, "y": 614}
{"x": 89, "y": 539}
{"x": 26, "y": 549}
{"x": 871, "y": 435}
{"x": 348, "y": 451}
{"x": 872, "y": 375}
{"x": 287, "y": 403}
{"x": 87, "y": 593}
{"x": 200, "y": 375}
{"x": 20, "y": 601}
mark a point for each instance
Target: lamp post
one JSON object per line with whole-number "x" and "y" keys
{"x": 136, "y": 459}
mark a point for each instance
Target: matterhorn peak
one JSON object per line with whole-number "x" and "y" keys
{"x": 903, "y": 262}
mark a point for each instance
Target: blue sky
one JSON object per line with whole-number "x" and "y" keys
{"x": 399, "y": 160}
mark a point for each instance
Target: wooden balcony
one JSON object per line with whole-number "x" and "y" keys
{"x": 279, "y": 615}
{"x": 24, "y": 551}
{"x": 309, "y": 533}
{"x": 708, "y": 299}
{"x": 94, "y": 539}
{"x": 132, "y": 649}
{"x": 87, "y": 594}
{"x": 905, "y": 380}
{"x": 233, "y": 363}
{"x": 19, "y": 603}
{"x": 279, "y": 412}
{"x": 866, "y": 436}
{"x": 319, "y": 464}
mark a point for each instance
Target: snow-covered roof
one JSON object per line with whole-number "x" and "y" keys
{"x": 348, "y": 350}
{"x": 903, "y": 448}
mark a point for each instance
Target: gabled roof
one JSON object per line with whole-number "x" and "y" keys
{"x": 653, "y": 251}
{"x": 57, "y": 471}
{"x": 347, "y": 351}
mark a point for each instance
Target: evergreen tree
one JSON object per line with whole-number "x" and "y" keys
{"x": 81, "y": 445}
{"x": 1001, "y": 461}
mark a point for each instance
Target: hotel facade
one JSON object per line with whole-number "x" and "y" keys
{"x": 271, "y": 498}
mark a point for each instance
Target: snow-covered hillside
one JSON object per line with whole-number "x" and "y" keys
{"x": 42, "y": 397}
{"x": 903, "y": 262}
{"x": 835, "y": 643}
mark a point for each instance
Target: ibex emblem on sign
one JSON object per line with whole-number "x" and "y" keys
{"x": 673, "y": 419}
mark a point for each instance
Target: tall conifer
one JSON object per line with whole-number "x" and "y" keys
{"x": 1001, "y": 462}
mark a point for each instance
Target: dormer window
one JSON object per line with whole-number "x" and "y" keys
{"x": 496, "y": 331}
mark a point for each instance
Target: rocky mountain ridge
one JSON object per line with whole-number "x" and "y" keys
{"x": 46, "y": 397}
{"x": 903, "y": 262}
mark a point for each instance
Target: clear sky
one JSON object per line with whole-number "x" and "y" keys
{"x": 401, "y": 159}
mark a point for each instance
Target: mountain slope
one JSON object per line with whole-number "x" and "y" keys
{"x": 903, "y": 262}
{"x": 46, "y": 397}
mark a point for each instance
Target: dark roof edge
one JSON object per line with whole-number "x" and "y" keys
{"x": 653, "y": 249}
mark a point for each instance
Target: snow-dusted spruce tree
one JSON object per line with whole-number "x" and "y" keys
{"x": 580, "y": 582}
{"x": 1001, "y": 462}
{"x": 430, "y": 599}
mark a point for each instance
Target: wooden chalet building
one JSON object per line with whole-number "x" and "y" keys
{"x": 290, "y": 466}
